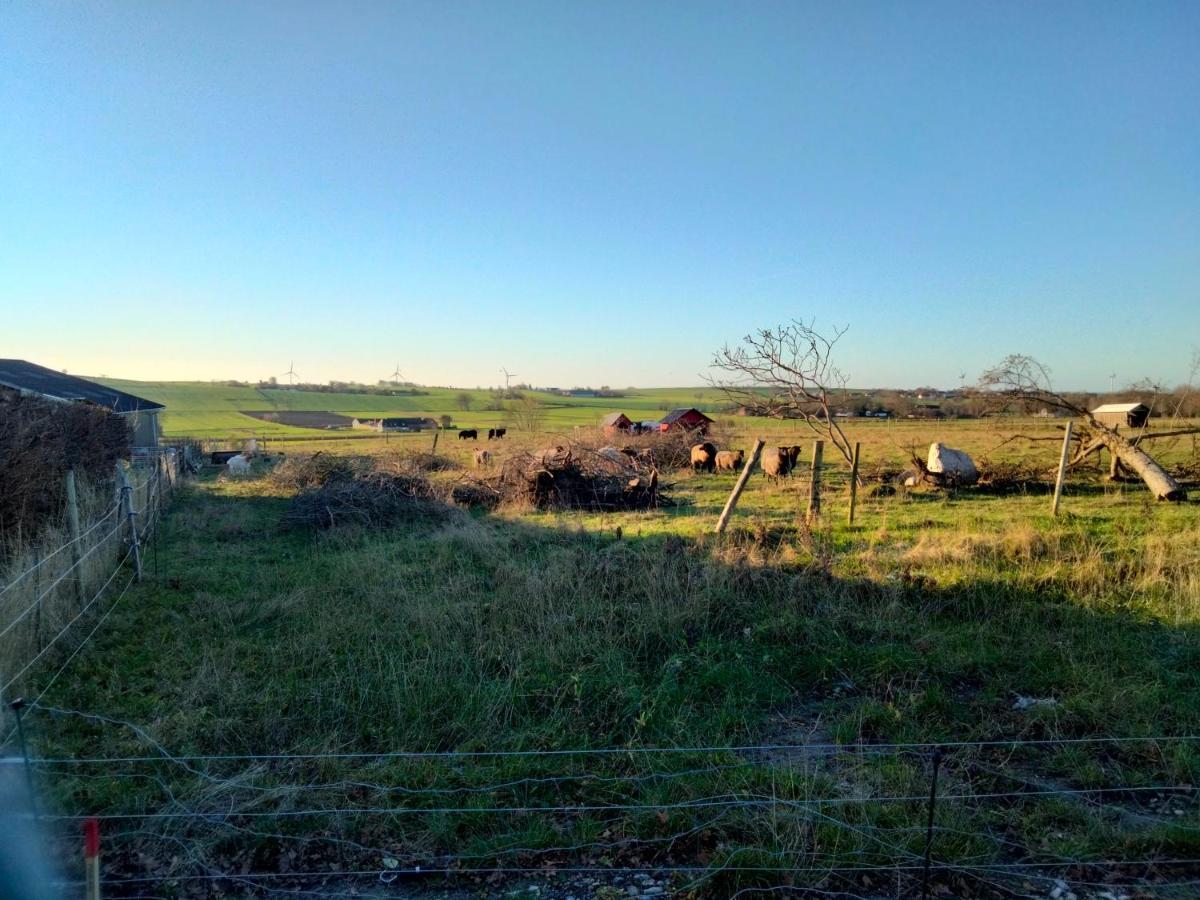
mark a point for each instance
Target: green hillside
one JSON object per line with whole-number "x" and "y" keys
{"x": 213, "y": 409}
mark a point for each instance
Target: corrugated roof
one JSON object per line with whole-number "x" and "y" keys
{"x": 1119, "y": 407}
{"x": 34, "y": 379}
{"x": 677, "y": 413}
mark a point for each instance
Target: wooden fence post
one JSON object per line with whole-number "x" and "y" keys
{"x": 731, "y": 503}
{"x": 436, "y": 431}
{"x": 853, "y": 483}
{"x": 127, "y": 506}
{"x": 73, "y": 526}
{"x": 1062, "y": 469}
{"x": 814, "y": 482}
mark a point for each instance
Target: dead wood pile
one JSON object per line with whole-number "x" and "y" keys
{"x": 373, "y": 498}
{"x": 566, "y": 477}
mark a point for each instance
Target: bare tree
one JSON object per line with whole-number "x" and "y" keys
{"x": 787, "y": 372}
{"x": 463, "y": 399}
{"x": 1023, "y": 379}
{"x": 527, "y": 414}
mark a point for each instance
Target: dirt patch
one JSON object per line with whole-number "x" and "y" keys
{"x": 301, "y": 418}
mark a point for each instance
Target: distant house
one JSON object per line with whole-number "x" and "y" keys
{"x": 396, "y": 424}
{"x": 1114, "y": 415}
{"x": 689, "y": 419}
{"x": 34, "y": 380}
{"x": 616, "y": 423}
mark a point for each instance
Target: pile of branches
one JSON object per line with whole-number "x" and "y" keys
{"x": 371, "y": 498}
{"x": 40, "y": 441}
{"x": 564, "y": 477}
{"x": 663, "y": 450}
{"x": 315, "y": 471}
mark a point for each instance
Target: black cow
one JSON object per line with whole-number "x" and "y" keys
{"x": 468, "y": 434}
{"x": 496, "y": 433}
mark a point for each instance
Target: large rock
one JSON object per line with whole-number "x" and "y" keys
{"x": 950, "y": 466}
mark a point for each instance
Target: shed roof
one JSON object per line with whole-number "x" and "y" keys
{"x": 34, "y": 379}
{"x": 1120, "y": 407}
{"x": 676, "y": 414}
{"x": 613, "y": 418}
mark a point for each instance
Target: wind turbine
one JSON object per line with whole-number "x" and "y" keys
{"x": 1112, "y": 383}
{"x": 508, "y": 377}
{"x": 397, "y": 375}
{"x": 290, "y": 374}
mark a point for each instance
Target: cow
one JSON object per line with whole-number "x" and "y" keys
{"x": 730, "y": 460}
{"x": 495, "y": 434}
{"x": 483, "y": 459}
{"x": 704, "y": 457}
{"x": 468, "y": 434}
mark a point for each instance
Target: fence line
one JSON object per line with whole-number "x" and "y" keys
{"x": 32, "y": 605}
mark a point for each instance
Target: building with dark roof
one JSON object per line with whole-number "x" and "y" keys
{"x": 687, "y": 419}
{"x": 34, "y": 380}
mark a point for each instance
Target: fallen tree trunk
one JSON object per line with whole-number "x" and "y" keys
{"x": 1158, "y": 479}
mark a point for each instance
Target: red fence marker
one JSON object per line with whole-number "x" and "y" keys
{"x": 91, "y": 857}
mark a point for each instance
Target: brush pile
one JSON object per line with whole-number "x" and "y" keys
{"x": 316, "y": 470}
{"x": 371, "y": 498}
{"x": 577, "y": 477}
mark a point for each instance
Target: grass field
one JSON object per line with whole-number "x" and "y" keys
{"x": 924, "y": 622}
{"x": 212, "y": 410}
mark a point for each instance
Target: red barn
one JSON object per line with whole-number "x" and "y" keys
{"x": 685, "y": 419}
{"x": 616, "y": 423}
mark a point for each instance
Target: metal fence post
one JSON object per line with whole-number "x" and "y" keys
{"x": 936, "y": 760}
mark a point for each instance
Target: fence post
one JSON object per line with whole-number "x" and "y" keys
{"x": 73, "y": 526}
{"x": 91, "y": 857}
{"x": 933, "y": 784}
{"x": 1062, "y": 469}
{"x": 127, "y": 505}
{"x": 18, "y": 708}
{"x": 853, "y": 483}
{"x": 731, "y": 503}
{"x": 436, "y": 431}
{"x": 814, "y": 482}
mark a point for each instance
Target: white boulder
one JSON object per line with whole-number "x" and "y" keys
{"x": 951, "y": 466}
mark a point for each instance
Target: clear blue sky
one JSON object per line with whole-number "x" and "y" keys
{"x": 598, "y": 193}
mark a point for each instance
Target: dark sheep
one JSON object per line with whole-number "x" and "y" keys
{"x": 704, "y": 457}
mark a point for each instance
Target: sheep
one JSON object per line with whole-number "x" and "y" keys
{"x": 704, "y": 457}
{"x": 776, "y": 462}
{"x": 730, "y": 460}
{"x": 238, "y": 465}
{"x": 483, "y": 459}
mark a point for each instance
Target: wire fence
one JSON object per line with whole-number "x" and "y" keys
{"x": 824, "y": 818}
{"x": 63, "y": 588}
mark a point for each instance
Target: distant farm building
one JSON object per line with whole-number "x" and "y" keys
{"x": 34, "y": 380}
{"x": 1115, "y": 415}
{"x": 396, "y": 424}
{"x": 616, "y": 423}
{"x": 689, "y": 419}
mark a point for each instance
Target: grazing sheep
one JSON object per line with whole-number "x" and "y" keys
{"x": 483, "y": 459}
{"x": 776, "y": 462}
{"x": 238, "y": 465}
{"x": 704, "y": 457}
{"x": 793, "y": 453}
{"x": 730, "y": 460}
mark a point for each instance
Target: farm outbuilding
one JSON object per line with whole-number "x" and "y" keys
{"x": 1115, "y": 415}
{"x": 396, "y": 424}
{"x": 616, "y": 423}
{"x": 140, "y": 414}
{"x": 689, "y": 419}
